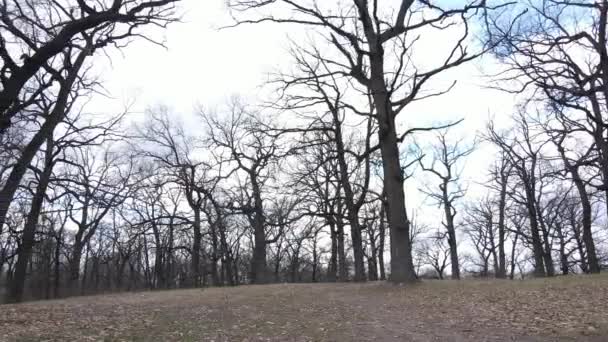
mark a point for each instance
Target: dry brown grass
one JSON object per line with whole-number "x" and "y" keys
{"x": 564, "y": 308}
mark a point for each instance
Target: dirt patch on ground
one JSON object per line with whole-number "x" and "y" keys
{"x": 561, "y": 309}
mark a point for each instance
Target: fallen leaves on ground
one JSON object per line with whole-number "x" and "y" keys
{"x": 564, "y": 308}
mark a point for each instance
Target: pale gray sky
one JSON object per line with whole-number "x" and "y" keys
{"x": 204, "y": 65}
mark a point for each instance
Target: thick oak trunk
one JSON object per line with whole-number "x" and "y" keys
{"x": 196, "y": 249}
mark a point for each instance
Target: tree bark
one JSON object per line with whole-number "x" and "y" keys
{"x": 259, "y": 268}
{"x": 196, "y": 249}
{"x": 451, "y": 230}
{"x": 342, "y": 269}
{"x": 352, "y": 206}
{"x": 333, "y": 260}
{"x": 214, "y": 255}
{"x": 502, "y": 203}
{"x": 563, "y": 257}
{"x": 537, "y": 246}
{"x": 17, "y": 284}
{"x": 381, "y": 244}
{"x": 402, "y": 267}
{"x": 592, "y": 261}
{"x": 57, "y": 277}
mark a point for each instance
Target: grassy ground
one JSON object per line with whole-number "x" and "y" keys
{"x": 565, "y": 308}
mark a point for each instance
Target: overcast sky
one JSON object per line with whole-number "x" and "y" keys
{"x": 205, "y": 65}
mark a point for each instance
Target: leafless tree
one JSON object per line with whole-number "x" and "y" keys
{"x": 524, "y": 154}
{"x": 55, "y": 38}
{"x": 500, "y": 173}
{"x": 447, "y": 166}
{"x": 44, "y": 30}
{"x": 96, "y": 181}
{"x": 243, "y": 139}
{"x": 480, "y": 222}
{"x": 436, "y": 254}
{"x": 364, "y": 36}
{"x": 573, "y": 164}
{"x": 562, "y": 64}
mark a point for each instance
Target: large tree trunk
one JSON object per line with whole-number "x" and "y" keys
{"x": 259, "y": 268}
{"x": 598, "y": 137}
{"x": 196, "y": 249}
{"x": 573, "y": 220}
{"x": 381, "y": 256}
{"x": 357, "y": 240}
{"x": 382, "y": 238}
{"x": 492, "y": 251}
{"x": 451, "y": 230}
{"x": 592, "y": 261}
{"x": 226, "y": 253}
{"x": 513, "y": 257}
{"x": 85, "y": 271}
{"x": 547, "y": 256}
{"x": 402, "y": 267}
{"x": 332, "y": 268}
{"x": 57, "y": 276}
{"x": 315, "y": 259}
{"x": 29, "y": 229}
{"x": 159, "y": 275}
{"x": 214, "y": 256}
{"x": 170, "y": 276}
{"x": 372, "y": 267}
{"x": 258, "y": 261}
{"x": 537, "y": 246}
{"x": 563, "y": 257}
{"x": 74, "y": 266}
{"x": 372, "y": 260}
{"x": 502, "y": 203}
{"x": 342, "y": 269}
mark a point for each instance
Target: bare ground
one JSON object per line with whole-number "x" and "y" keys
{"x": 561, "y": 309}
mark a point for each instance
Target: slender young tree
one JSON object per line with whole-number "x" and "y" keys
{"x": 447, "y": 167}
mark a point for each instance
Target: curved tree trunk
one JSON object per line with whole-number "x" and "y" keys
{"x": 55, "y": 117}
{"x": 592, "y": 261}
{"x": 17, "y": 284}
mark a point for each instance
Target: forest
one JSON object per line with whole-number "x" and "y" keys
{"x": 309, "y": 183}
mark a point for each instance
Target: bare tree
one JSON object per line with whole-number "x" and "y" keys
{"x": 573, "y": 163}
{"x": 500, "y": 174}
{"x": 364, "y": 44}
{"x": 56, "y": 37}
{"x": 524, "y": 155}
{"x": 482, "y": 229}
{"x": 46, "y": 29}
{"x": 96, "y": 181}
{"x": 436, "y": 254}
{"x": 244, "y": 140}
{"x": 316, "y": 173}
{"x": 74, "y": 133}
{"x": 446, "y": 165}
{"x": 561, "y": 64}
